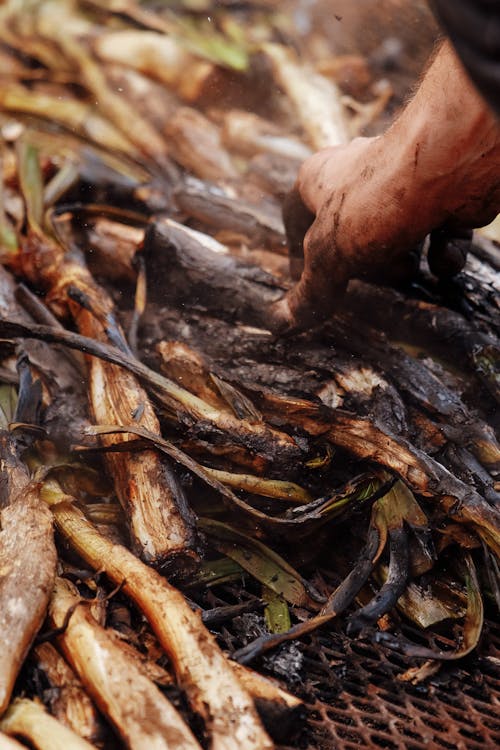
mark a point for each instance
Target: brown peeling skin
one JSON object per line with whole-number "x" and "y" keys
{"x": 158, "y": 529}
{"x": 27, "y": 566}
{"x": 28, "y": 719}
{"x": 201, "y": 668}
{"x": 69, "y": 702}
{"x": 186, "y": 366}
{"x": 139, "y": 712}
{"x": 376, "y": 198}
{"x": 423, "y": 474}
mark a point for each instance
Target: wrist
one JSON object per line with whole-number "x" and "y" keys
{"x": 442, "y": 136}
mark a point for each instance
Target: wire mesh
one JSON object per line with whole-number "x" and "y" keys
{"x": 356, "y": 698}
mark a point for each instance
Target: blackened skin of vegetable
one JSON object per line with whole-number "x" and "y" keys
{"x": 385, "y": 600}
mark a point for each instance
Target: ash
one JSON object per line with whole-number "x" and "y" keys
{"x": 286, "y": 663}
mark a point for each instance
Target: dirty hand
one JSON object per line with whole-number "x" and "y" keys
{"x": 361, "y": 209}
{"x": 343, "y": 220}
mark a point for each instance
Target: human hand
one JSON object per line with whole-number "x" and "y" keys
{"x": 361, "y": 209}
{"x": 342, "y": 222}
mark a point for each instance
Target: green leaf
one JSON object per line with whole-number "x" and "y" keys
{"x": 258, "y": 560}
{"x": 8, "y": 401}
{"x": 202, "y": 39}
{"x": 31, "y": 183}
{"x": 276, "y": 613}
{"x": 8, "y": 239}
{"x": 214, "y": 572}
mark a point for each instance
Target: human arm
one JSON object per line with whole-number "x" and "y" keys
{"x": 373, "y": 200}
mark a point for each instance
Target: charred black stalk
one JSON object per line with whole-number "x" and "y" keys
{"x": 106, "y": 318}
{"x": 363, "y": 489}
{"x": 473, "y": 624}
{"x": 157, "y": 528}
{"x": 342, "y": 597}
{"x": 421, "y": 386}
{"x": 56, "y": 366}
{"x": 346, "y": 592}
{"x": 392, "y": 589}
{"x": 312, "y": 367}
{"x": 443, "y": 331}
{"x": 267, "y": 642}
{"x": 390, "y": 514}
{"x": 218, "y": 615}
{"x": 467, "y": 468}
{"x": 29, "y": 399}
{"x": 207, "y": 203}
{"x": 424, "y": 474}
{"x": 244, "y": 293}
{"x": 273, "y": 445}
{"x": 189, "y": 270}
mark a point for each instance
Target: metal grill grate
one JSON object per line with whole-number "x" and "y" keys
{"x": 356, "y": 699}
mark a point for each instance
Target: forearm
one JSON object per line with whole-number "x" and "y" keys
{"x": 443, "y": 131}
{"x": 474, "y": 28}
{"x": 376, "y": 199}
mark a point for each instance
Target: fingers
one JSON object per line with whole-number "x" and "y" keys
{"x": 315, "y": 261}
{"x": 301, "y": 205}
{"x": 305, "y": 306}
{"x": 448, "y": 251}
{"x": 297, "y": 219}
{"x": 319, "y": 288}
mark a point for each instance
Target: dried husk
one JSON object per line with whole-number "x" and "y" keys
{"x": 27, "y": 565}
{"x": 195, "y": 143}
{"x": 72, "y": 114}
{"x": 29, "y": 720}
{"x": 201, "y": 669}
{"x": 136, "y": 708}
{"x": 250, "y": 134}
{"x": 316, "y": 99}
{"x": 158, "y": 529}
{"x": 69, "y": 702}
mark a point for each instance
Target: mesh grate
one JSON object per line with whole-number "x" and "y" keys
{"x": 356, "y": 699}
